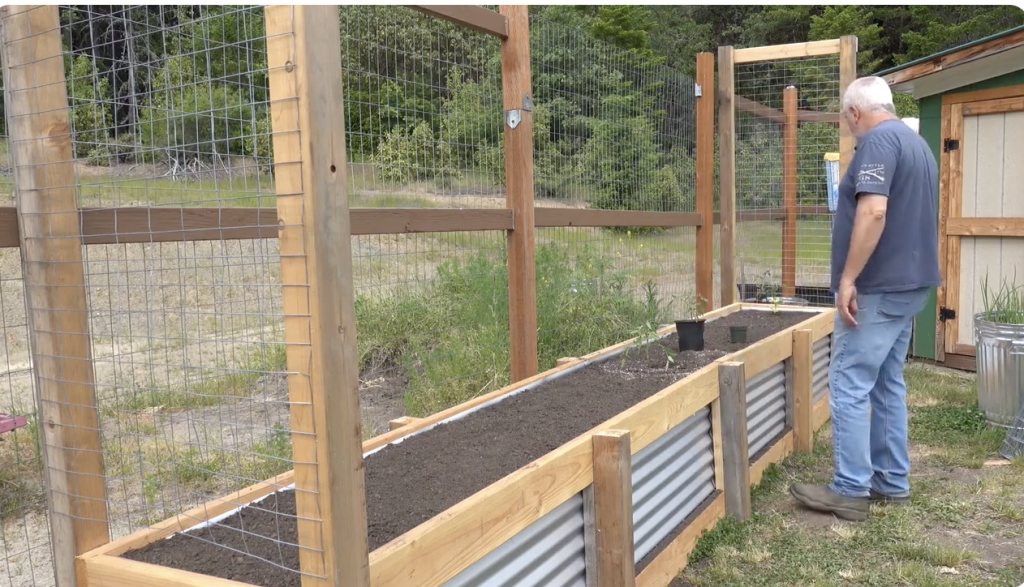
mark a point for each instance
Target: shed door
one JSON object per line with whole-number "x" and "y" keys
{"x": 983, "y": 191}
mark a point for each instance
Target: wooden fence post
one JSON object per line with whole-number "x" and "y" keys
{"x": 727, "y": 172}
{"x": 51, "y": 246}
{"x": 789, "y": 179}
{"x": 517, "y": 99}
{"x": 613, "y": 509}
{"x": 803, "y": 392}
{"x": 304, "y": 59}
{"x": 706, "y": 178}
{"x": 732, "y": 399}
{"x": 847, "y": 73}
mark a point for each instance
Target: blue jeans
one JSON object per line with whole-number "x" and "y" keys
{"x": 867, "y": 395}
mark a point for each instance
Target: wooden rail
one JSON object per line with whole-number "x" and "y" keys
{"x": 105, "y": 226}
{"x": 790, "y": 51}
{"x": 472, "y": 17}
{"x": 769, "y": 113}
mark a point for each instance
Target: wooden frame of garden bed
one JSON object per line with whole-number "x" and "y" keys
{"x": 436, "y": 551}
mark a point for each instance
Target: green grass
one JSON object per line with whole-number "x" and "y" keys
{"x": 206, "y": 389}
{"x": 924, "y": 544}
{"x": 450, "y": 335}
{"x": 20, "y": 470}
{"x": 945, "y": 417}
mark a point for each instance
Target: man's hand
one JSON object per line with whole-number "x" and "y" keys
{"x": 846, "y": 303}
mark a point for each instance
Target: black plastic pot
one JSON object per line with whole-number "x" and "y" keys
{"x": 737, "y": 334}
{"x": 691, "y": 335}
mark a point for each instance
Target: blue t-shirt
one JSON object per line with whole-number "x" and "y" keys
{"x": 894, "y": 161}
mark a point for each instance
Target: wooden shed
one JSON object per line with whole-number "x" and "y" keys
{"x": 971, "y": 102}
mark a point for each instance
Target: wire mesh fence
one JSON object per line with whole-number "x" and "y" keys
{"x": 613, "y": 130}
{"x": 169, "y": 112}
{"x": 762, "y": 182}
{"x": 423, "y": 109}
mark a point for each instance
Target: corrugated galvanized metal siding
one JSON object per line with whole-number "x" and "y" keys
{"x": 671, "y": 477}
{"x": 766, "y": 407}
{"x": 549, "y": 552}
{"x": 820, "y": 362}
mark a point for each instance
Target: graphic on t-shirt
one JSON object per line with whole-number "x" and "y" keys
{"x": 871, "y": 174}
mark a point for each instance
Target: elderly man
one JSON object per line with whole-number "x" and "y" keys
{"x": 884, "y": 260}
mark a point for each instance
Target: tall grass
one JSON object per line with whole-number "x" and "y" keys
{"x": 450, "y": 337}
{"x": 1005, "y": 306}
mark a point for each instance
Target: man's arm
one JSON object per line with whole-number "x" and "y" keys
{"x": 875, "y": 165}
{"x": 867, "y": 230}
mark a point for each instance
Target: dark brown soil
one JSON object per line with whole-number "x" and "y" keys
{"x": 410, "y": 482}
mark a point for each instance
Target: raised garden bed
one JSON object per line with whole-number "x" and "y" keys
{"x": 495, "y": 450}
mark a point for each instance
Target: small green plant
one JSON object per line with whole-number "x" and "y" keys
{"x": 1005, "y": 306}
{"x": 647, "y": 332}
{"x": 694, "y": 308}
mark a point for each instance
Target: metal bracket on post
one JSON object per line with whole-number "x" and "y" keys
{"x": 514, "y": 117}
{"x": 697, "y": 90}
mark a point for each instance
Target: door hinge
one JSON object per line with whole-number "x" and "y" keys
{"x": 946, "y": 314}
{"x": 950, "y": 145}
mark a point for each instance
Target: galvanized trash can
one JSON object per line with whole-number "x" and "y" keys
{"x": 1000, "y": 363}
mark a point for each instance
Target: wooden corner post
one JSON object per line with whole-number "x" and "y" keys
{"x": 613, "y": 509}
{"x": 706, "y": 177}
{"x": 58, "y": 316}
{"x": 732, "y": 399}
{"x": 803, "y": 390}
{"x": 517, "y": 100}
{"x": 789, "y": 195}
{"x": 727, "y": 172}
{"x": 847, "y": 73}
{"x": 304, "y": 59}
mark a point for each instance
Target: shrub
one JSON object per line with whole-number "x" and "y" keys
{"x": 451, "y": 335}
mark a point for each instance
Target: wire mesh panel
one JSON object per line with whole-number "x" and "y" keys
{"x": 25, "y": 555}
{"x": 423, "y": 109}
{"x": 764, "y": 243}
{"x": 613, "y": 130}
{"x": 168, "y": 113}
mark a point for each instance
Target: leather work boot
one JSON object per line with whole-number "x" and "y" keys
{"x": 821, "y": 498}
{"x": 877, "y": 497}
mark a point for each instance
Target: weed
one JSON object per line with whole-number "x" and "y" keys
{"x": 450, "y": 335}
{"x": 932, "y": 553}
{"x": 21, "y": 468}
{"x": 207, "y": 388}
{"x": 960, "y": 434}
{"x": 272, "y": 456}
{"x": 727, "y": 533}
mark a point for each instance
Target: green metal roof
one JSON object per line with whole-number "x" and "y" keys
{"x": 948, "y": 51}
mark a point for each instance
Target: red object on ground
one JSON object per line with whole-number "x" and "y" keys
{"x": 8, "y": 423}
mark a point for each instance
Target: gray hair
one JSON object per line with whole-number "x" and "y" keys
{"x": 869, "y": 94}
